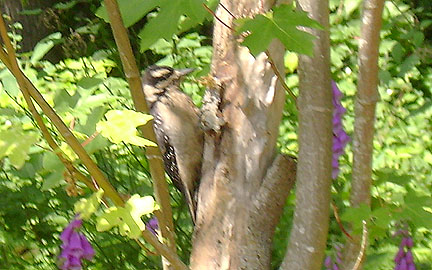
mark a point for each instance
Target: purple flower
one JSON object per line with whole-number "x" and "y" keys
{"x": 404, "y": 259}
{"x": 75, "y": 246}
{"x": 333, "y": 263}
{"x": 152, "y": 225}
{"x": 399, "y": 255}
{"x": 340, "y": 137}
{"x": 328, "y": 262}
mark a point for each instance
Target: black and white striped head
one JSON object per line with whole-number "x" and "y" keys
{"x": 162, "y": 77}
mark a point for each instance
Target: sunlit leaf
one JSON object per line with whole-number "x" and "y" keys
{"x": 86, "y": 207}
{"x": 127, "y": 218}
{"x": 15, "y": 144}
{"x": 121, "y": 127}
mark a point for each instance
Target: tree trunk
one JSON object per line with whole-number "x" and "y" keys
{"x": 311, "y": 217}
{"x": 365, "y": 103}
{"x": 33, "y": 27}
{"x": 244, "y": 183}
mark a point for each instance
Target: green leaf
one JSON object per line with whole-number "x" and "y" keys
{"x": 414, "y": 209}
{"x": 66, "y": 5}
{"x": 165, "y": 24}
{"x": 382, "y": 217}
{"x": 121, "y": 127}
{"x": 389, "y": 175}
{"x": 10, "y": 84}
{"x": 384, "y": 76}
{"x": 132, "y": 10}
{"x": 15, "y": 144}
{"x": 31, "y": 12}
{"x": 89, "y": 82}
{"x": 418, "y": 38}
{"x": 408, "y": 64}
{"x": 282, "y": 24}
{"x": 350, "y": 6}
{"x": 127, "y": 218}
{"x": 162, "y": 47}
{"x": 51, "y": 162}
{"x": 355, "y": 215}
{"x": 44, "y": 46}
{"x": 52, "y": 180}
{"x": 397, "y": 52}
{"x": 86, "y": 207}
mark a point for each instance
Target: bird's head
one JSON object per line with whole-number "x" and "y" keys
{"x": 163, "y": 77}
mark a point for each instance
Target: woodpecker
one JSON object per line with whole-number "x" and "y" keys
{"x": 176, "y": 125}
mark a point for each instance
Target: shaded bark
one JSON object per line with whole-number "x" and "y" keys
{"x": 33, "y": 27}
{"x": 311, "y": 217}
{"x": 365, "y": 103}
{"x": 237, "y": 210}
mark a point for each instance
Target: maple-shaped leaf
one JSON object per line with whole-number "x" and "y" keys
{"x": 280, "y": 24}
{"x": 166, "y": 22}
{"x": 417, "y": 209}
{"x": 121, "y": 127}
{"x": 127, "y": 218}
{"x": 356, "y": 215}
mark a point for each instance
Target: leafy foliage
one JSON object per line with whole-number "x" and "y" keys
{"x": 36, "y": 204}
{"x": 280, "y": 24}
{"x": 173, "y": 17}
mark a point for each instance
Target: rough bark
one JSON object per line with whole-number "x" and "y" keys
{"x": 365, "y": 103}
{"x": 237, "y": 211}
{"x": 311, "y": 217}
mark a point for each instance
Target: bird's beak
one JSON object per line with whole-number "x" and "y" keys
{"x": 183, "y": 72}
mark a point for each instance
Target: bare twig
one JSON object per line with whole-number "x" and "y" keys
{"x": 338, "y": 220}
{"x": 217, "y": 18}
{"x": 280, "y": 78}
{"x": 362, "y": 247}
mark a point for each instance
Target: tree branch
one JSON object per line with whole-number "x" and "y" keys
{"x": 26, "y": 86}
{"x": 365, "y": 103}
{"x": 311, "y": 217}
{"x": 9, "y": 59}
{"x": 153, "y": 153}
{"x": 270, "y": 199}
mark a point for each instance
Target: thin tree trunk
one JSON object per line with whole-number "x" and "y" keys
{"x": 244, "y": 184}
{"x": 311, "y": 217}
{"x": 365, "y": 103}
